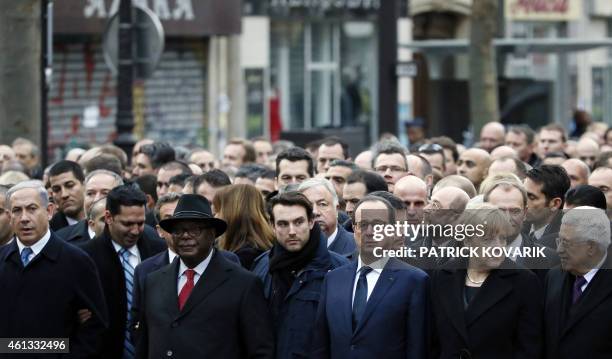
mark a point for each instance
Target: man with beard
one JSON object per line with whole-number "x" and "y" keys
{"x": 66, "y": 180}
{"x": 321, "y": 194}
{"x": 122, "y": 246}
{"x": 293, "y": 272}
{"x": 374, "y": 307}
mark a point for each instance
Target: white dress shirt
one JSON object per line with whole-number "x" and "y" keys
{"x": 371, "y": 278}
{"x": 591, "y": 274}
{"x": 134, "y": 258}
{"x": 332, "y": 237}
{"x": 91, "y": 232}
{"x": 199, "y": 270}
{"x": 71, "y": 221}
{"x": 171, "y": 255}
{"x": 538, "y": 234}
{"x": 36, "y": 247}
{"x": 516, "y": 243}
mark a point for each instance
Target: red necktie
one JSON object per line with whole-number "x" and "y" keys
{"x": 187, "y": 288}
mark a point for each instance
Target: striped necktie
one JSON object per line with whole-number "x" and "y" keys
{"x": 128, "y": 271}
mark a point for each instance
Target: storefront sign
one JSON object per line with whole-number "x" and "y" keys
{"x": 327, "y": 4}
{"x": 543, "y": 10}
{"x": 179, "y": 17}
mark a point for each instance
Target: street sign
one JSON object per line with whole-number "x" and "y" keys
{"x": 406, "y": 69}
{"x": 148, "y": 42}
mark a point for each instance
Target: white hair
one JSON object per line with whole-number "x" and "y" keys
{"x": 34, "y": 184}
{"x": 315, "y": 182}
{"x": 116, "y": 177}
{"x": 591, "y": 223}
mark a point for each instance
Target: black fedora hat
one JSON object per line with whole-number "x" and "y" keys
{"x": 193, "y": 207}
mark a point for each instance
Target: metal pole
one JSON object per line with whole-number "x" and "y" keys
{"x": 387, "y": 59}
{"x": 125, "y": 118}
{"x": 46, "y": 63}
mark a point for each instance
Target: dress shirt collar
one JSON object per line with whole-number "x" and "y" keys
{"x": 36, "y": 247}
{"x": 538, "y": 234}
{"x": 332, "y": 237}
{"x": 133, "y": 249}
{"x": 199, "y": 269}
{"x": 376, "y": 266}
{"x": 171, "y": 255}
{"x": 591, "y": 274}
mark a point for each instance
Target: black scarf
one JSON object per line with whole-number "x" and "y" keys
{"x": 285, "y": 265}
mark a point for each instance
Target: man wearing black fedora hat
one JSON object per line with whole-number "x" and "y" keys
{"x": 201, "y": 305}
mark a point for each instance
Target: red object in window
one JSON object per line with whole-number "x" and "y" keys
{"x": 276, "y": 125}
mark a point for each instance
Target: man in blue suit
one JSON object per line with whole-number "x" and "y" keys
{"x": 322, "y": 195}
{"x": 375, "y": 307}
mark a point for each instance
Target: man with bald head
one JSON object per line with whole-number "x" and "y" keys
{"x": 503, "y": 151}
{"x": 420, "y": 167}
{"x": 6, "y": 154}
{"x": 473, "y": 164}
{"x": 444, "y": 207}
{"x": 456, "y": 181}
{"x": 364, "y": 160}
{"x": 587, "y": 150}
{"x": 413, "y": 192}
{"x": 577, "y": 171}
{"x": 508, "y": 165}
{"x": 491, "y": 136}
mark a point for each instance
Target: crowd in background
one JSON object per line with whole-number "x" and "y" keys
{"x": 299, "y": 223}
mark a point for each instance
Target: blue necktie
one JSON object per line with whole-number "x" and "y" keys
{"x": 361, "y": 295}
{"x": 25, "y": 255}
{"x": 128, "y": 271}
{"x": 577, "y": 289}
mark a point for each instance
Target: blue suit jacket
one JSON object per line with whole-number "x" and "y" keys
{"x": 394, "y": 323}
{"x": 344, "y": 244}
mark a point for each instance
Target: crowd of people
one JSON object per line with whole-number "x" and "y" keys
{"x": 270, "y": 250}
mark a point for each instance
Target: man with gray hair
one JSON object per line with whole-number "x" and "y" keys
{"x": 97, "y": 185}
{"x": 48, "y": 280}
{"x": 6, "y": 232}
{"x": 578, "y": 304}
{"x": 321, "y": 193}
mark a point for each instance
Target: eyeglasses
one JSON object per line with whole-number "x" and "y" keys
{"x": 363, "y": 225}
{"x": 192, "y": 232}
{"x": 393, "y": 169}
{"x": 431, "y": 148}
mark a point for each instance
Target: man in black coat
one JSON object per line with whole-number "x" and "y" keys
{"x": 201, "y": 305}
{"x": 66, "y": 180}
{"x": 97, "y": 185}
{"x": 46, "y": 282}
{"x": 123, "y": 245}
{"x": 578, "y": 304}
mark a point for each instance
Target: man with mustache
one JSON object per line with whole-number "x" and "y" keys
{"x": 66, "y": 180}
{"x": 122, "y": 246}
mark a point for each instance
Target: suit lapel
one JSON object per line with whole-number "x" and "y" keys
{"x": 343, "y": 294}
{"x": 494, "y": 289}
{"x": 215, "y": 274}
{"x": 169, "y": 294}
{"x": 452, "y": 283}
{"x": 599, "y": 289}
{"x": 384, "y": 283}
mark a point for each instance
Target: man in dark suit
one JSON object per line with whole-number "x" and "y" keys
{"x": 97, "y": 185}
{"x": 122, "y": 246}
{"x": 546, "y": 187}
{"x": 164, "y": 209}
{"x": 66, "y": 180}
{"x": 375, "y": 307}
{"x": 45, "y": 282}
{"x": 512, "y": 198}
{"x": 320, "y": 192}
{"x": 578, "y": 304}
{"x": 201, "y": 305}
